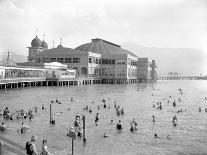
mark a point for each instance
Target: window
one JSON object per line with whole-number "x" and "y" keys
{"x": 89, "y": 60}
{"x": 52, "y": 59}
{"x": 76, "y": 60}
{"x": 61, "y": 60}
{"x": 96, "y": 60}
{"x": 45, "y": 60}
{"x": 68, "y": 60}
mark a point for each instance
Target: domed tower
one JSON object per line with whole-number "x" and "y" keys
{"x": 36, "y": 47}
{"x": 60, "y": 45}
{"x": 44, "y": 44}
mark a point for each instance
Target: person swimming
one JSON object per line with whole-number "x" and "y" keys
{"x": 155, "y": 135}
{"x": 119, "y": 126}
{"x": 96, "y": 119}
{"x": 23, "y": 128}
{"x": 3, "y": 127}
{"x": 153, "y": 118}
{"x": 106, "y": 134}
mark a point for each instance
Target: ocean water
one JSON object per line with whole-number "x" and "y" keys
{"x": 188, "y": 137}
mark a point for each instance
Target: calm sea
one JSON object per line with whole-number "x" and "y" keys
{"x": 188, "y": 137}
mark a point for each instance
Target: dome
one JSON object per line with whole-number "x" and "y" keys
{"x": 60, "y": 46}
{"x": 44, "y": 44}
{"x": 36, "y": 42}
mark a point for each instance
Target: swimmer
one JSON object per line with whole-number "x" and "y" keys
{"x": 106, "y": 134}
{"x": 155, "y": 135}
{"x": 23, "y": 128}
{"x": 119, "y": 126}
{"x": 112, "y": 122}
{"x": 199, "y": 109}
{"x": 153, "y": 118}
{"x": 2, "y": 127}
{"x": 97, "y": 119}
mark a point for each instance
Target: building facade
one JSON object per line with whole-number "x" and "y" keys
{"x": 146, "y": 70}
{"x": 96, "y": 59}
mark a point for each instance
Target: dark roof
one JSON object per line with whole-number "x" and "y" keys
{"x": 60, "y": 51}
{"x": 44, "y": 44}
{"x": 103, "y": 47}
{"x": 36, "y": 42}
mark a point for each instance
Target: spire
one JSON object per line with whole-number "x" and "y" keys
{"x": 36, "y": 31}
{"x": 61, "y": 41}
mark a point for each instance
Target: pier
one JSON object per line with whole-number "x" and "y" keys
{"x": 179, "y": 78}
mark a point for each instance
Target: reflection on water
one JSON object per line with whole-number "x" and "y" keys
{"x": 188, "y": 137}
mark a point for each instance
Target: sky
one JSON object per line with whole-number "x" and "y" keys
{"x": 150, "y": 23}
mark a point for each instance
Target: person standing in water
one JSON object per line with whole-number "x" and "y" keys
{"x": 30, "y": 146}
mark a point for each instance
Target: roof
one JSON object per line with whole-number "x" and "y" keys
{"x": 36, "y": 42}
{"x": 103, "y": 47}
{"x": 60, "y": 51}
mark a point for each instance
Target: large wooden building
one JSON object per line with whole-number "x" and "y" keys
{"x": 98, "y": 59}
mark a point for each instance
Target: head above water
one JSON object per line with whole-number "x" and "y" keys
{"x": 33, "y": 138}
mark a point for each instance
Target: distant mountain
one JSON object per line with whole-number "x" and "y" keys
{"x": 14, "y": 57}
{"x": 185, "y": 61}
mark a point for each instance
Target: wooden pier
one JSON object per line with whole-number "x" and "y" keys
{"x": 180, "y": 78}
{"x": 15, "y": 83}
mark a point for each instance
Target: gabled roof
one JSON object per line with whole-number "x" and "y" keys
{"x": 103, "y": 47}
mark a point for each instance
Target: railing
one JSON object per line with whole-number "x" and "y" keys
{"x": 6, "y": 80}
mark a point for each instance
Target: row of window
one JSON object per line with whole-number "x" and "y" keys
{"x": 61, "y": 60}
{"x": 90, "y": 60}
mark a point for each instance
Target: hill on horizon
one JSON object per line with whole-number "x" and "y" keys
{"x": 185, "y": 61}
{"x": 17, "y": 58}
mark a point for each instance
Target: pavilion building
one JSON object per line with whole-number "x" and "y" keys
{"x": 97, "y": 59}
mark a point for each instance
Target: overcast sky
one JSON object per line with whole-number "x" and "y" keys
{"x": 151, "y": 23}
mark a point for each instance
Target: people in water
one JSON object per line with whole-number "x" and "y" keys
{"x": 30, "y": 146}
{"x": 153, "y": 118}
{"x": 155, "y": 135}
{"x": 174, "y": 121}
{"x": 97, "y": 118}
{"x": 52, "y": 119}
{"x": 24, "y": 128}
{"x": 57, "y": 101}
{"x": 174, "y": 103}
{"x": 133, "y": 127}
{"x": 6, "y": 113}
{"x": 119, "y": 126}
{"x": 104, "y": 105}
{"x": 43, "y": 107}
{"x": 199, "y": 109}
{"x": 44, "y": 149}
{"x": 3, "y": 127}
{"x": 112, "y": 121}
{"x": 122, "y": 111}
{"x": 106, "y": 134}
{"x": 77, "y": 121}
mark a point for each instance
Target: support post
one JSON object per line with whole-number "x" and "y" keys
{"x": 1, "y": 148}
{"x": 72, "y": 146}
{"x": 50, "y": 113}
{"x": 84, "y": 127}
